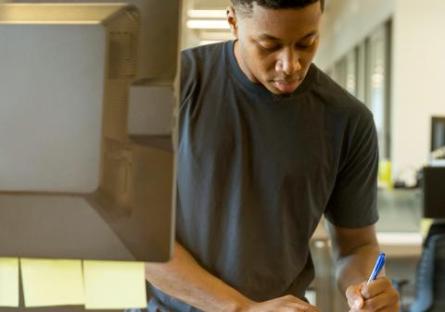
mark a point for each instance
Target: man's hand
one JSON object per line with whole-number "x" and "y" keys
{"x": 282, "y": 304}
{"x": 379, "y": 295}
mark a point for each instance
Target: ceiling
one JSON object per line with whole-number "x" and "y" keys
{"x": 221, "y": 4}
{"x": 210, "y": 4}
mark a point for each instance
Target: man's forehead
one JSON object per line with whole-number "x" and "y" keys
{"x": 284, "y": 23}
{"x": 308, "y": 15}
{"x": 266, "y": 36}
{"x": 254, "y": 7}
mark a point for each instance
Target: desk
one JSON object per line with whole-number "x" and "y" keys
{"x": 400, "y": 244}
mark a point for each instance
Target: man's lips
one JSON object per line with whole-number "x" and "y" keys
{"x": 286, "y": 86}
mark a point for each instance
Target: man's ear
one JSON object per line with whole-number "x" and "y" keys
{"x": 232, "y": 20}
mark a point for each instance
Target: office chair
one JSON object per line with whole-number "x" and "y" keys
{"x": 430, "y": 275}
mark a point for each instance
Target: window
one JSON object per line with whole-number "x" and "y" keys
{"x": 365, "y": 72}
{"x": 377, "y": 85}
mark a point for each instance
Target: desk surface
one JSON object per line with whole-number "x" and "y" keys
{"x": 398, "y": 229}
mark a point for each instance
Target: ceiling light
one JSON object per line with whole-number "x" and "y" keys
{"x": 207, "y": 13}
{"x": 208, "y": 24}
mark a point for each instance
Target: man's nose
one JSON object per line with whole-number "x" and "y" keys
{"x": 288, "y": 62}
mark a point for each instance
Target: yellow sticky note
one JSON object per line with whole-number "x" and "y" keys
{"x": 425, "y": 225}
{"x": 9, "y": 282}
{"x": 114, "y": 285}
{"x": 52, "y": 282}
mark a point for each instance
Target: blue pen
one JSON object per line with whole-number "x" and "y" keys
{"x": 379, "y": 263}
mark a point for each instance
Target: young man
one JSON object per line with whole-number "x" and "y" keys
{"x": 268, "y": 144}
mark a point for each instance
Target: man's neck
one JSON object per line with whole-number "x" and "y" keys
{"x": 239, "y": 60}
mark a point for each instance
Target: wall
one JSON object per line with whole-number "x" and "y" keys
{"x": 418, "y": 65}
{"x": 348, "y": 22}
{"x": 211, "y": 4}
{"x": 418, "y": 78}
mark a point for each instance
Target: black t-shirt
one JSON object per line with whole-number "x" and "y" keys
{"x": 256, "y": 172}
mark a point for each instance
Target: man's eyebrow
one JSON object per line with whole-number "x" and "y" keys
{"x": 268, "y": 37}
{"x": 272, "y": 38}
{"x": 311, "y": 34}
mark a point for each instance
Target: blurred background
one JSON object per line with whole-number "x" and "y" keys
{"x": 390, "y": 55}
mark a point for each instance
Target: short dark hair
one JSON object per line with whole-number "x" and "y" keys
{"x": 276, "y": 4}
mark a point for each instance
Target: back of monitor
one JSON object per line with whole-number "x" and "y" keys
{"x": 84, "y": 134}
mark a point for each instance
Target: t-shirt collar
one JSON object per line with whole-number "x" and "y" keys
{"x": 236, "y": 71}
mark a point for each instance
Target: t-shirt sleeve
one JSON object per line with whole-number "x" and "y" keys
{"x": 353, "y": 202}
{"x": 188, "y": 76}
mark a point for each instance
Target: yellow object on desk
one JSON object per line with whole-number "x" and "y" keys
{"x": 52, "y": 282}
{"x": 425, "y": 225}
{"x": 9, "y": 282}
{"x": 384, "y": 174}
{"x": 114, "y": 285}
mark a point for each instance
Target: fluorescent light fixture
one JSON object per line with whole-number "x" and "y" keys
{"x": 207, "y": 13}
{"x": 208, "y": 24}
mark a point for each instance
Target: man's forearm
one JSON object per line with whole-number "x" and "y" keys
{"x": 184, "y": 279}
{"x": 356, "y": 267}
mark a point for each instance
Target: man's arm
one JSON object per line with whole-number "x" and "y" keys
{"x": 355, "y": 252}
{"x": 183, "y": 278}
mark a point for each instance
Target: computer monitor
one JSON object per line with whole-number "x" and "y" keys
{"x": 433, "y": 192}
{"x": 437, "y": 132}
{"x": 87, "y": 97}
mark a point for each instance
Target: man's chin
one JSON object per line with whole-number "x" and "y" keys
{"x": 286, "y": 87}
{"x": 282, "y": 88}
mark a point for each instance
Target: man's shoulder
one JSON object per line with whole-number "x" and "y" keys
{"x": 338, "y": 98}
{"x": 199, "y": 65}
{"x": 204, "y": 54}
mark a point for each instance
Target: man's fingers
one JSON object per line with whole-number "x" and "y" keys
{"x": 284, "y": 304}
{"x": 376, "y": 287}
{"x": 300, "y": 307}
{"x": 354, "y": 297}
{"x": 296, "y": 304}
{"x": 383, "y": 300}
{"x": 379, "y": 295}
